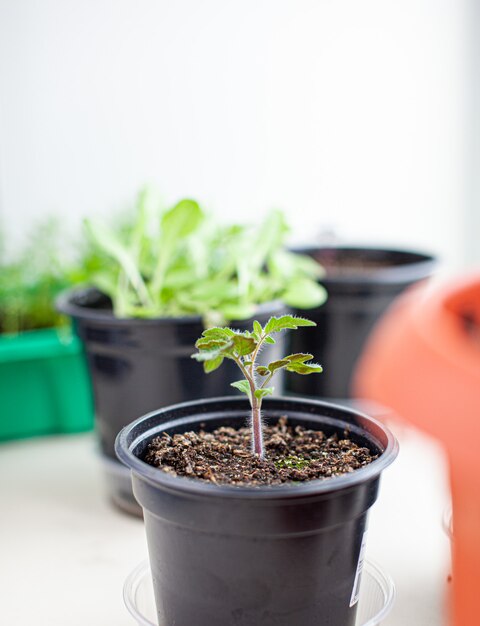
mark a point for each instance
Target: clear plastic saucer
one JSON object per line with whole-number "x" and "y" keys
{"x": 377, "y": 594}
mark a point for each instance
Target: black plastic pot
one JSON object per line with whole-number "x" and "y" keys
{"x": 287, "y": 555}
{"x": 361, "y": 284}
{"x": 138, "y": 365}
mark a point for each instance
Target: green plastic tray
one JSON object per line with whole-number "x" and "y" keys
{"x": 44, "y": 385}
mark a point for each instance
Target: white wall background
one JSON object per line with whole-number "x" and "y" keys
{"x": 345, "y": 113}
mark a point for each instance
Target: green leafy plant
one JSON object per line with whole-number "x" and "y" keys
{"x": 217, "y": 344}
{"x": 183, "y": 262}
{"x": 31, "y": 280}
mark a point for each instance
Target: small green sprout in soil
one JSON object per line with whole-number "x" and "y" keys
{"x": 217, "y": 344}
{"x": 297, "y": 462}
{"x": 269, "y": 454}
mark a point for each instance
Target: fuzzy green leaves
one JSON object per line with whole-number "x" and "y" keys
{"x": 243, "y": 344}
{"x": 218, "y": 333}
{"x": 212, "y": 364}
{"x": 276, "y": 324}
{"x": 304, "y": 368}
{"x": 291, "y": 363}
{"x": 216, "y": 344}
{"x": 276, "y": 365}
{"x": 242, "y": 385}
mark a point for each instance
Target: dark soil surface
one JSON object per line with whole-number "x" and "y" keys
{"x": 292, "y": 454}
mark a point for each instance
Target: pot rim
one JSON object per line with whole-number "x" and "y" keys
{"x": 64, "y": 304}
{"x": 399, "y": 274}
{"x": 195, "y": 487}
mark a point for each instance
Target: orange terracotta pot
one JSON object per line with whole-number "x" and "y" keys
{"x": 423, "y": 361}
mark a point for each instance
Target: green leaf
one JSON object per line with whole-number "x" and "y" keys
{"x": 242, "y": 385}
{"x": 262, "y": 370}
{"x": 277, "y": 365}
{"x": 304, "y": 293}
{"x": 261, "y": 393}
{"x": 146, "y": 205}
{"x": 304, "y": 368}
{"x": 213, "y": 364}
{"x": 306, "y": 265}
{"x": 257, "y": 327}
{"x": 270, "y": 340}
{"x": 182, "y": 220}
{"x": 105, "y": 282}
{"x": 243, "y": 345}
{"x": 268, "y": 237}
{"x": 294, "y": 266}
{"x": 180, "y": 278}
{"x": 299, "y": 357}
{"x": 113, "y": 247}
{"x": 218, "y": 333}
{"x": 276, "y": 324}
{"x": 211, "y": 291}
{"x": 240, "y": 311}
{"x": 208, "y": 355}
{"x": 176, "y": 224}
{"x": 206, "y": 343}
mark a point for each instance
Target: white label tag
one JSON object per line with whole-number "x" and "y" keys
{"x": 358, "y": 575}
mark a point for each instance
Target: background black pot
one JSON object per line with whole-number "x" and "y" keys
{"x": 138, "y": 365}
{"x": 361, "y": 284}
{"x": 277, "y": 556}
